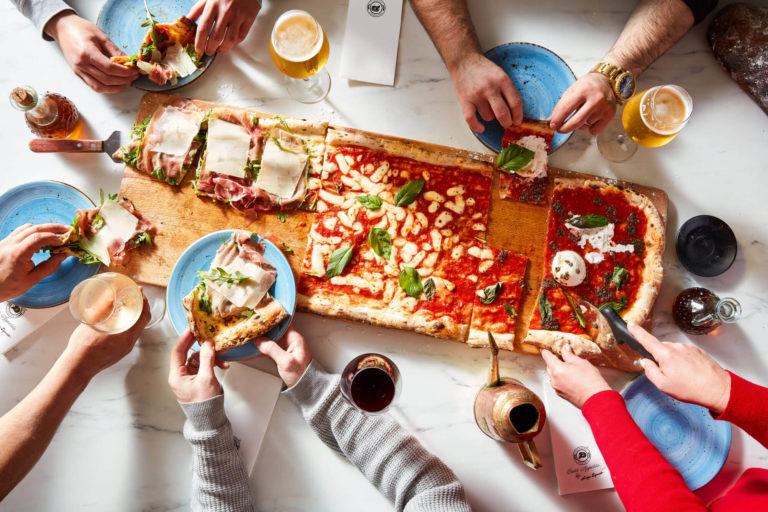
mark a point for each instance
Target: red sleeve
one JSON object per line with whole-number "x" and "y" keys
{"x": 747, "y": 408}
{"x": 642, "y": 476}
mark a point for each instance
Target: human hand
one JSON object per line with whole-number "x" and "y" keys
{"x": 685, "y": 372}
{"x": 592, "y": 102}
{"x": 93, "y": 351}
{"x": 573, "y": 378}
{"x": 193, "y": 380}
{"x": 231, "y": 20}
{"x": 87, "y": 50}
{"x": 17, "y": 272}
{"x": 484, "y": 87}
{"x": 291, "y": 361}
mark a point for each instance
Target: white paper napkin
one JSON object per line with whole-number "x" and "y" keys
{"x": 579, "y": 465}
{"x": 16, "y": 323}
{"x": 370, "y": 41}
{"x": 250, "y": 396}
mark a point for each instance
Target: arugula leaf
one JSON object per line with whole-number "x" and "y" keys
{"x": 171, "y": 181}
{"x": 380, "y": 242}
{"x": 88, "y": 258}
{"x": 619, "y": 276}
{"x": 514, "y": 158}
{"x": 139, "y": 129}
{"x": 616, "y": 306}
{"x": 158, "y": 173}
{"x": 589, "y": 221}
{"x": 490, "y": 293}
{"x": 143, "y": 238}
{"x": 339, "y": 259}
{"x": 283, "y": 123}
{"x": 203, "y": 299}
{"x": 409, "y": 192}
{"x": 370, "y": 202}
{"x": 281, "y": 217}
{"x": 98, "y": 222}
{"x": 286, "y": 248}
{"x": 545, "y": 308}
{"x": 277, "y": 143}
{"x": 252, "y": 169}
{"x": 429, "y": 289}
{"x": 196, "y": 57}
{"x": 137, "y": 132}
{"x": 510, "y": 309}
{"x": 221, "y": 276}
{"x": 410, "y": 282}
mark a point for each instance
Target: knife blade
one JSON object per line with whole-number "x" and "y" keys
{"x": 108, "y": 145}
{"x": 622, "y": 334}
{"x": 590, "y": 319}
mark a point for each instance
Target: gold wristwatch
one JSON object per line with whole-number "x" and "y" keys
{"x": 622, "y": 81}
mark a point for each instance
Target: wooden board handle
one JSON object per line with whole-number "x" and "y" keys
{"x": 65, "y": 146}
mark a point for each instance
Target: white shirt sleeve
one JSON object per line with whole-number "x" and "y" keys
{"x": 40, "y": 12}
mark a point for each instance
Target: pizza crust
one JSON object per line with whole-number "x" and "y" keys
{"x": 479, "y": 339}
{"x": 622, "y": 358}
{"x": 420, "y": 151}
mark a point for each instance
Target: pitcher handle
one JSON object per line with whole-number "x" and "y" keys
{"x": 530, "y": 454}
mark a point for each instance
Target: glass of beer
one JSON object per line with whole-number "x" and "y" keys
{"x": 300, "y": 50}
{"x": 651, "y": 118}
{"x": 370, "y": 382}
{"x": 110, "y": 302}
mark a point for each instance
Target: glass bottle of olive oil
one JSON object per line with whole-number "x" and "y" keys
{"x": 51, "y": 116}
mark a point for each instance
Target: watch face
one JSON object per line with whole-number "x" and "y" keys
{"x": 626, "y": 86}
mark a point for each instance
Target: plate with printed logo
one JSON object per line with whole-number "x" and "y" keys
{"x": 198, "y": 257}
{"x": 43, "y": 202}
{"x": 540, "y": 77}
{"x": 687, "y": 435}
{"x": 122, "y": 21}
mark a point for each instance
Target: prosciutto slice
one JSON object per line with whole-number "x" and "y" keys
{"x": 119, "y": 250}
{"x": 173, "y": 166}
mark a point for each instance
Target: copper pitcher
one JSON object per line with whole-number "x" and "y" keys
{"x": 506, "y": 410}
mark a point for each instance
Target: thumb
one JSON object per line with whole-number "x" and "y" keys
{"x": 207, "y": 357}
{"x": 48, "y": 266}
{"x": 273, "y": 351}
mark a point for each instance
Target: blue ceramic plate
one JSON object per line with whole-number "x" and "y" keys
{"x": 198, "y": 256}
{"x": 41, "y": 202}
{"x": 540, "y": 76}
{"x": 685, "y": 434}
{"x": 121, "y": 20}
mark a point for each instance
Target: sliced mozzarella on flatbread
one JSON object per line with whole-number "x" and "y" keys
{"x": 122, "y": 224}
{"x": 247, "y": 293}
{"x": 179, "y": 60}
{"x": 98, "y": 244}
{"x": 280, "y": 170}
{"x": 178, "y": 129}
{"x": 228, "y": 146}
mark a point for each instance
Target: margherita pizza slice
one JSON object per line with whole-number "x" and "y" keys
{"x": 501, "y": 279}
{"x": 604, "y": 245}
{"x": 231, "y": 304}
{"x": 165, "y": 144}
{"x": 523, "y": 162}
{"x": 106, "y": 234}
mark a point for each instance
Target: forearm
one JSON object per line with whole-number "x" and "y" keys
{"x": 27, "y": 429}
{"x": 392, "y": 460}
{"x": 643, "y": 478}
{"x": 449, "y": 25}
{"x": 748, "y": 408}
{"x": 653, "y": 27}
{"x": 219, "y": 480}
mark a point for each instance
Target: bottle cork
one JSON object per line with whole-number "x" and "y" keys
{"x": 22, "y": 97}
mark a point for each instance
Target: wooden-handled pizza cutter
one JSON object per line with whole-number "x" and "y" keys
{"x": 108, "y": 146}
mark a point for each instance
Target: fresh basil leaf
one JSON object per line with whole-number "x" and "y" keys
{"x": 619, "y": 276}
{"x": 545, "y": 308}
{"x": 380, "y": 242}
{"x": 339, "y": 259}
{"x": 490, "y": 293}
{"x": 514, "y": 158}
{"x": 429, "y": 289}
{"x": 589, "y": 221}
{"x": 616, "y": 306}
{"x": 281, "y": 217}
{"x": 409, "y": 192}
{"x": 410, "y": 282}
{"x": 338, "y": 186}
{"x": 510, "y": 309}
{"x": 370, "y": 202}
{"x": 580, "y": 317}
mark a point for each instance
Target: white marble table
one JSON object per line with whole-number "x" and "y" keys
{"x": 120, "y": 448}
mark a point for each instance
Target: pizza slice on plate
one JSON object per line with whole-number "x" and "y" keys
{"x": 501, "y": 279}
{"x": 254, "y": 165}
{"x": 107, "y": 234}
{"x": 523, "y": 162}
{"x": 165, "y": 144}
{"x": 231, "y": 304}
{"x": 604, "y": 246}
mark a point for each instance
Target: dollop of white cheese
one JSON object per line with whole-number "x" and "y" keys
{"x": 568, "y": 268}
{"x": 600, "y": 239}
{"x": 594, "y": 257}
{"x": 536, "y": 168}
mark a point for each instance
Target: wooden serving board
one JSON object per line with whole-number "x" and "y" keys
{"x": 181, "y": 218}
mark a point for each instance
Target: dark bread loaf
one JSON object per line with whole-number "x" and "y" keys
{"x": 738, "y": 36}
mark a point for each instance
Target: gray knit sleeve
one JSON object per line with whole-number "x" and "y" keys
{"x": 219, "y": 480}
{"x": 40, "y": 12}
{"x": 393, "y": 460}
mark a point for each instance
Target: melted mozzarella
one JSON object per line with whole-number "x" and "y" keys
{"x": 536, "y": 168}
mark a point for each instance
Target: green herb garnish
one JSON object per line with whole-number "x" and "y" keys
{"x": 370, "y": 202}
{"x": 510, "y": 309}
{"x": 204, "y": 301}
{"x": 619, "y": 276}
{"x": 281, "y": 217}
{"x": 221, "y": 276}
{"x": 286, "y": 249}
{"x": 409, "y": 192}
{"x": 410, "y": 282}
{"x": 616, "y": 306}
{"x": 283, "y": 123}
{"x": 589, "y": 221}
{"x": 490, "y": 293}
{"x": 545, "y": 308}
{"x": 380, "y": 242}
{"x": 143, "y": 238}
{"x": 338, "y": 260}
{"x": 514, "y": 158}
{"x": 429, "y": 289}
{"x": 277, "y": 143}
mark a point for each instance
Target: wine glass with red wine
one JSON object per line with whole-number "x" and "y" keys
{"x": 371, "y": 383}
